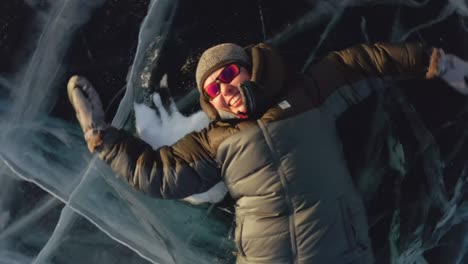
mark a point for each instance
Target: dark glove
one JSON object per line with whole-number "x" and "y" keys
{"x": 88, "y": 108}
{"x": 254, "y": 98}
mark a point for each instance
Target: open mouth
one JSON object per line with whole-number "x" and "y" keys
{"x": 235, "y": 100}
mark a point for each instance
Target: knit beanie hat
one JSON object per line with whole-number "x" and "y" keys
{"x": 217, "y": 57}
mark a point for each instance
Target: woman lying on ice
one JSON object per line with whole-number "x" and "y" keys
{"x": 272, "y": 140}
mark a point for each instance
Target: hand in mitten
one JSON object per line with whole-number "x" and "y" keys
{"x": 88, "y": 108}
{"x": 254, "y": 98}
{"x": 451, "y": 69}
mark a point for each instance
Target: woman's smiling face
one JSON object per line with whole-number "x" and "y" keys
{"x": 228, "y": 98}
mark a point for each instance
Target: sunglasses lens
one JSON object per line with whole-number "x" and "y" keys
{"x": 212, "y": 90}
{"x": 229, "y": 73}
{"x": 226, "y": 76}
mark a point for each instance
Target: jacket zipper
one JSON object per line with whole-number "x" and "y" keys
{"x": 276, "y": 158}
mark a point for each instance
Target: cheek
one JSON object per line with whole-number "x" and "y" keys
{"x": 242, "y": 77}
{"x": 217, "y": 102}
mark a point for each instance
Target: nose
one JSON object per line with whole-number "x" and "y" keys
{"x": 227, "y": 89}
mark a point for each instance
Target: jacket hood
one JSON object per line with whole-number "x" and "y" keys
{"x": 267, "y": 69}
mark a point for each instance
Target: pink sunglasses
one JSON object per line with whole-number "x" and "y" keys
{"x": 226, "y": 76}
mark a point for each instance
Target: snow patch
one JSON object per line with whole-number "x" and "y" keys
{"x": 168, "y": 127}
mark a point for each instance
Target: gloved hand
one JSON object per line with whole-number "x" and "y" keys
{"x": 452, "y": 70}
{"x": 88, "y": 107}
{"x": 254, "y": 98}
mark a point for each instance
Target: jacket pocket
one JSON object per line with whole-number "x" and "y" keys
{"x": 238, "y": 236}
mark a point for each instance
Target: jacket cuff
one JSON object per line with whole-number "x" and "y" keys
{"x": 108, "y": 138}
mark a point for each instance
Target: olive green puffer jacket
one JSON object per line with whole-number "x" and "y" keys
{"x": 295, "y": 200}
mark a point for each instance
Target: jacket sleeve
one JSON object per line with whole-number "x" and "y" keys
{"x": 354, "y": 72}
{"x": 170, "y": 172}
